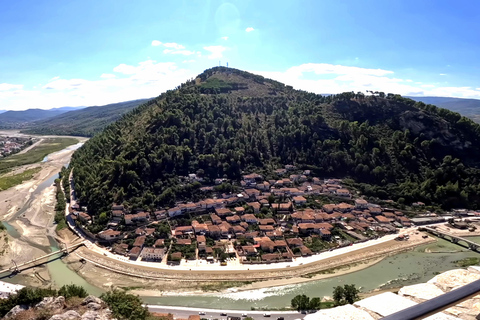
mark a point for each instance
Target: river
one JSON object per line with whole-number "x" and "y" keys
{"x": 58, "y": 271}
{"x": 402, "y": 269}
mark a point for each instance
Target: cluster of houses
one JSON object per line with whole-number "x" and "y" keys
{"x": 10, "y": 145}
{"x": 268, "y": 221}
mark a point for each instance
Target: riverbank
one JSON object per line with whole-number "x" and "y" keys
{"x": 27, "y": 211}
{"x": 106, "y": 272}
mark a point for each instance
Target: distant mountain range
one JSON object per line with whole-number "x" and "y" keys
{"x": 19, "y": 119}
{"x": 467, "y": 107}
{"x": 84, "y": 122}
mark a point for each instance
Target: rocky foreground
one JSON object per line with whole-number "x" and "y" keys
{"x": 379, "y": 306}
{"x": 56, "y": 308}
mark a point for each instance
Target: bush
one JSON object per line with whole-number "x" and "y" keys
{"x": 72, "y": 290}
{"x": 125, "y": 306}
{"x": 25, "y": 296}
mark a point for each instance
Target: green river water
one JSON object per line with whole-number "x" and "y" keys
{"x": 402, "y": 269}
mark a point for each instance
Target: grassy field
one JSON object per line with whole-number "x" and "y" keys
{"x": 36, "y": 154}
{"x": 471, "y": 261}
{"x": 7, "y": 182}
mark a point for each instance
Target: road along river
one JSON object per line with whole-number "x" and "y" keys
{"x": 411, "y": 267}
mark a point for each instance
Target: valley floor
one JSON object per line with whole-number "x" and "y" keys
{"x": 29, "y": 209}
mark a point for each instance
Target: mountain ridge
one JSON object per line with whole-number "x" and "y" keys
{"x": 466, "y": 107}
{"x": 84, "y": 122}
{"x": 11, "y": 119}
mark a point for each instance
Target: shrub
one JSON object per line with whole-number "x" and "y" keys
{"x": 125, "y": 306}
{"x": 25, "y": 296}
{"x": 72, "y": 290}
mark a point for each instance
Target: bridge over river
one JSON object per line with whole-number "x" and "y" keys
{"x": 452, "y": 238}
{"x": 16, "y": 268}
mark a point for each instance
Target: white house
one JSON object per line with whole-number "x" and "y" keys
{"x": 149, "y": 253}
{"x": 173, "y": 212}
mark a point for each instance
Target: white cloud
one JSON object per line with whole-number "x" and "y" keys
{"x": 442, "y": 74}
{"x": 188, "y": 61}
{"x": 173, "y": 45}
{"x": 107, "y": 76}
{"x": 249, "y": 29}
{"x": 125, "y": 69}
{"x": 216, "y": 52}
{"x": 173, "y": 48}
{"x": 325, "y": 68}
{"x": 329, "y": 78}
{"x": 459, "y": 92}
{"x": 224, "y": 38}
{"x": 146, "y": 79}
{"x": 182, "y": 52}
{"x": 63, "y": 84}
{"x": 8, "y": 86}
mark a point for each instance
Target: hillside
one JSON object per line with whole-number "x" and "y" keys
{"x": 19, "y": 119}
{"x": 467, "y": 107}
{"x": 227, "y": 121}
{"x": 85, "y": 122}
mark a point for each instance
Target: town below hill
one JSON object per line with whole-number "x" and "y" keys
{"x": 257, "y": 222}
{"x": 11, "y": 145}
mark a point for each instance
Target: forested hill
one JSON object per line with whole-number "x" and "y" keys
{"x": 227, "y": 121}
{"x": 85, "y": 122}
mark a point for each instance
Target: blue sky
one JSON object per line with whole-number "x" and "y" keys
{"x": 82, "y": 53}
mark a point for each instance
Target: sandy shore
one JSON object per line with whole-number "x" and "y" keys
{"x": 36, "y": 220}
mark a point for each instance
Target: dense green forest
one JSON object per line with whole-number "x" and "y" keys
{"x": 84, "y": 122}
{"x": 227, "y": 121}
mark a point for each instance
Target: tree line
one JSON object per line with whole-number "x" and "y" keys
{"x": 347, "y": 294}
